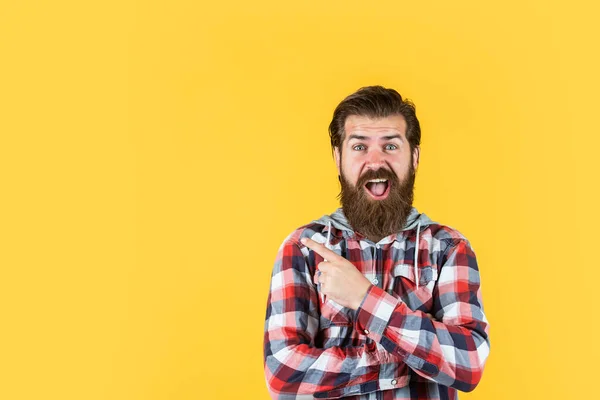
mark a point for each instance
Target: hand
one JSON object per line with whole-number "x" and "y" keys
{"x": 339, "y": 278}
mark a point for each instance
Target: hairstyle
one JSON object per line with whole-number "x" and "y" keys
{"x": 374, "y": 102}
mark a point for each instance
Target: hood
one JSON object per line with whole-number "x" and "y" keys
{"x": 415, "y": 221}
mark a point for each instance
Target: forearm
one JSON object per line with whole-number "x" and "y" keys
{"x": 294, "y": 363}
{"x": 450, "y": 349}
{"x": 451, "y": 355}
{"x": 297, "y": 369}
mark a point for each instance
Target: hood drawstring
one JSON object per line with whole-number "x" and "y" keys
{"x": 417, "y": 255}
{"x": 328, "y": 246}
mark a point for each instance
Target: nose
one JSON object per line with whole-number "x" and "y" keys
{"x": 375, "y": 159}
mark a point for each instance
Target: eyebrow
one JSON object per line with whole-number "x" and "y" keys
{"x": 359, "y": 137}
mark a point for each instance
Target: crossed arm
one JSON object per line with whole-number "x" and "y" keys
{"x": 450, "y": 349}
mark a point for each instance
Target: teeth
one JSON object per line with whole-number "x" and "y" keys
{"x": 378, "y": 180}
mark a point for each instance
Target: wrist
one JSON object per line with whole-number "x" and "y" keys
{"x": 361, "y": 296}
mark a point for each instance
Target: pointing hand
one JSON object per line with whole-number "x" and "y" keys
{"x": 339, "y": 278}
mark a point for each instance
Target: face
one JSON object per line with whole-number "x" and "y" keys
{"x": 373, "y": 144}
{"x": 377, "y": 175}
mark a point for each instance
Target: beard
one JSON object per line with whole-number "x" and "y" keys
{"x": 376, "y": 219}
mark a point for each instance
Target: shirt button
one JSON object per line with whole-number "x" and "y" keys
{"x": 374, "y": 281}
{"x": 366, "y": 331}
{"x": 394, "y": 381}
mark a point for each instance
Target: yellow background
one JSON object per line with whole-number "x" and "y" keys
{"x": 154, "y": 155}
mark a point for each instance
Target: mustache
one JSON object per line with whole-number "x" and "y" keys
{"x": 381, "y": 173}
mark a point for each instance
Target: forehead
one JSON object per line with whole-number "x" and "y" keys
{"x": 375, "y": 127}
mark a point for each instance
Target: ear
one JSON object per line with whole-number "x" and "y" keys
{"x": 416, "y": 154}
{"x": 338, "y": 159}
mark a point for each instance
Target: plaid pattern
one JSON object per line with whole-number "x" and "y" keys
{"x": 388, "y": 349}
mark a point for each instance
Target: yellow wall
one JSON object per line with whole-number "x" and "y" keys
{"x": 154, "y": 155}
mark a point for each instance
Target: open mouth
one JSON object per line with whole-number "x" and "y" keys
{"x": 378, "y": 188}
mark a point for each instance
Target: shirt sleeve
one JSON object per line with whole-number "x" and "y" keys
{"x": 294, "y": 366}
{"x": 450, "y": 350}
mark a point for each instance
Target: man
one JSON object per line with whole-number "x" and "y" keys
{"x": 375, "y": 301}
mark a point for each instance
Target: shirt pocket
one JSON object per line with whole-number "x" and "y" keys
{"x": 403, "y": 284}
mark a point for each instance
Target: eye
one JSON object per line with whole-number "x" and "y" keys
{"x": 390, "y": 146}
{"x": 359, "y": 147}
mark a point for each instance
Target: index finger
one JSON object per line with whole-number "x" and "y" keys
{"x": 320, "y": 249}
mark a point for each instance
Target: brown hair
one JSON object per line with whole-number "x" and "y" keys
{"x": 375, "y": 102}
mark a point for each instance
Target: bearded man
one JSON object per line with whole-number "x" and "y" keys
{"x": 375, "y": 301}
